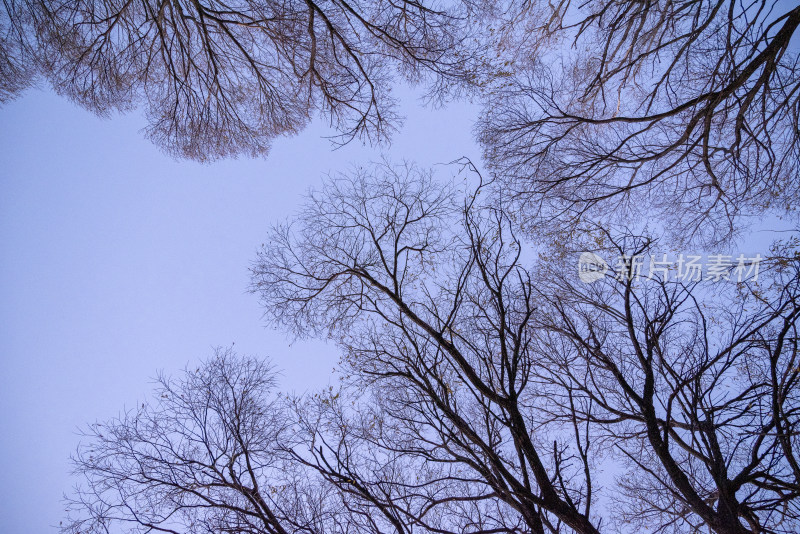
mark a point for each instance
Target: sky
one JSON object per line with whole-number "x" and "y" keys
{"x": 117, "y": 262}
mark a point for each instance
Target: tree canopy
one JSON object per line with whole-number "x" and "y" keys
{"x": 687, "y": 110}
{"x": 480, "y": 391}
{"x": 486, "y": 387}
{"x": 219, "y": 79}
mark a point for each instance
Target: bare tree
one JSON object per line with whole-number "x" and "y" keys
{"x": 693, "y": 384}
{"x": 17, "y": 70}
{"x": 203, "y": 456}
{"x": 218, "y": 79}
{"x": 483, "y": 390}
{"x": 493, "y": 398}
{"x": 686, "y": 109}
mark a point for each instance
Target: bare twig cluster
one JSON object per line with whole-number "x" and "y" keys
{"x": 218, "y": 79}
{"x": 685, "y": 109}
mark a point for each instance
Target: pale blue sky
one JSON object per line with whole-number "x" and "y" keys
{"x": 118, "y": 261}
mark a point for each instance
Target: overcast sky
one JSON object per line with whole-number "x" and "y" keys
{"x": 118, "y": 261}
